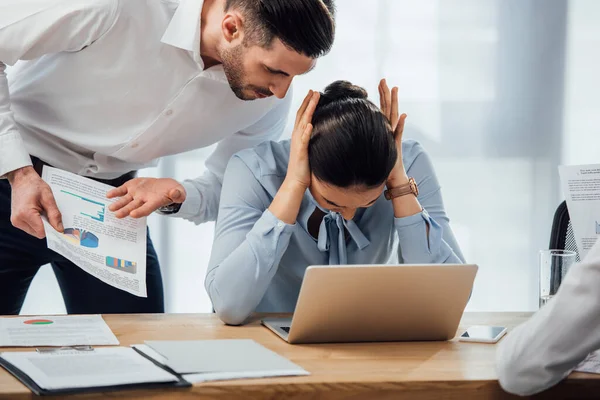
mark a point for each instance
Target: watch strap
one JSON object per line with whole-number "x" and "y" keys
{"x": 408, "y": 188}
{"x": 172, "y": 208}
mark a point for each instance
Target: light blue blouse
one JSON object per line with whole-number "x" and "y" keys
{"x": 258, "y": 262}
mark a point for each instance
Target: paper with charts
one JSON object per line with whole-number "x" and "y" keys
{"x": 591, "y": 364}
{"x": 63, "y": 330}
{"x": 581, "y": 187}
{"x": 113, "y": 250}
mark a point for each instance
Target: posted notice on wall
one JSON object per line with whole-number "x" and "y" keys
{"x": 113, "y": 250}
{"x": 581, "y": 187}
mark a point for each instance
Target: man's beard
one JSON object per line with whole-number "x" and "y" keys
{"x": 233, "y": 60}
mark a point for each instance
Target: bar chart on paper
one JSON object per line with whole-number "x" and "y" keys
{"x": 89, "y": 208}
{"x": 123, "y": 265}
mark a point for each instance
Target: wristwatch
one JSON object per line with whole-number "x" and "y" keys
{"x": 402, "y": 190}
{"x": 172, "y": 208}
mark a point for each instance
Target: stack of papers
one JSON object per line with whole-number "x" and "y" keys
{"x": 73, "y": 369}
{"x": 64, "y": 330}
{"x": 206, "y": 360}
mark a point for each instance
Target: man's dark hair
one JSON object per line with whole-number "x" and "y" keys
{"x": 306, "y": 26}
{"x": 352, "y": 143}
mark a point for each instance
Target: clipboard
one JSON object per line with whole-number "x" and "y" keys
{"x": 31, "y": 385}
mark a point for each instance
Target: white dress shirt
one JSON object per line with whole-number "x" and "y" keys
{"x": 544, "y": 350}
{"x": 104, "y": 87}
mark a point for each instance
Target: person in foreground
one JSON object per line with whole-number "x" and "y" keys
{"x": 319, "y": 199}
{"x": 103, "y": 88}
{"x": 544, "y": 350}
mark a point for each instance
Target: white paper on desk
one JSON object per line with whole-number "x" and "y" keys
{"x": 221, "y": 376}
{"x": 63, "y": 330}
{"x": 591, "y": 363}
{"x": 581, "y": 188}
{"x": 205, "y": 360}
{"x": 81, "y": 369}
{"x": 226, "y": 376}
{"x": 113, "y": 250}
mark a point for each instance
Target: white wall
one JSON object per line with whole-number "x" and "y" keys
{"x": 582, "y": 87}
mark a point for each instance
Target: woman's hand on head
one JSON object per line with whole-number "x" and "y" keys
{"x": 298, "y": 168}
{"x": 286, "y": 203}
{"x": 389, "y": 107}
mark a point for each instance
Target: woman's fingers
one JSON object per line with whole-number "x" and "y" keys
{"x": 400, "y": 128}
{"x": 303, "y": 106}
{"x": 388, "y": 98}
{"x": 394, "y": 108}
{"x": 306, "y": 136}
{"x": 310, "y": 109}
{"x": 389, "y": 104}
{"x": 305, "y": 113}
{"x": 382, "y": 104}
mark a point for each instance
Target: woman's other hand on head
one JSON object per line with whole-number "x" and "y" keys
{"x": 298, "y": 167}
{"x": 389, "y": 107}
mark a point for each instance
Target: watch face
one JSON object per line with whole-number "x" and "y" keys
{"x": 171, "y": 208}
{"x": 414, "y": 187}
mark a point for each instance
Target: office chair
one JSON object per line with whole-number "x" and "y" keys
{"x": 561, "y": 238}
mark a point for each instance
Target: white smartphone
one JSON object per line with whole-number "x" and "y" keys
{"x": 483, "y": 334}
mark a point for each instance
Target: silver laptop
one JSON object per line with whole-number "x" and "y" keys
{"x": 377, "y": 303}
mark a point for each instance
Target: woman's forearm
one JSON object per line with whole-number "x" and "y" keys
{"x": 286, "y": 204}
{"x": 404, "y": 206}
{"x": 238, "y": 277}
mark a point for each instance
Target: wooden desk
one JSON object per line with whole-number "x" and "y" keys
{"x": 435, "y": 370}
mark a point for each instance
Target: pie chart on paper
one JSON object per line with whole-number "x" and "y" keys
{"x": 81, "y": 238}
{"x": 38, "y": 322}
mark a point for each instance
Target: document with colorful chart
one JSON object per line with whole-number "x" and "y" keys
{"x": 111, "y": 249}
{"x": 63, "y": 330}
{"x": 581, "y": 187}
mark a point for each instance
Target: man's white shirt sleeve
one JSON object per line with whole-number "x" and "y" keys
{"x": 541, "y": 352}
{"x": 30, "y": 29}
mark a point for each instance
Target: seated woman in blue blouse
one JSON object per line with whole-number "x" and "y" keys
{"x": 318, "y": 199}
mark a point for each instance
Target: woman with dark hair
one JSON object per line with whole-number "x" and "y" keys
{"x": 320, "y": 198}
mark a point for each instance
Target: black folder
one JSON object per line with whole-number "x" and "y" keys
{"x": 31, "y": 385}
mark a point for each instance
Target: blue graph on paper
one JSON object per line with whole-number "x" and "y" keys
{"x": 91, "y": 208}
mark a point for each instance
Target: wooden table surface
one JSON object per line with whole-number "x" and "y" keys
{"x": 424, "y": 370}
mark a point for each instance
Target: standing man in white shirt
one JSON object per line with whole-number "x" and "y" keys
{"x": 103, "y": 88}
{"x": 544, "y": 350}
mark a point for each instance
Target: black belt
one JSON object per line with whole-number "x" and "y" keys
{"x": 38, "y": 165}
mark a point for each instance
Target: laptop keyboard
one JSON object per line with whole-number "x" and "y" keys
{"x": 286, "y": 329}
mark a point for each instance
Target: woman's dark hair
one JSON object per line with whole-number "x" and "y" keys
{"x": 352, "y": 142}
{"x": 306, "y": 26}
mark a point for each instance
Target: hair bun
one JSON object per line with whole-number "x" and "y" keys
{"x": 343, "y": 90}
